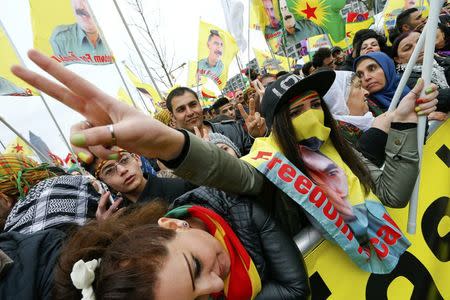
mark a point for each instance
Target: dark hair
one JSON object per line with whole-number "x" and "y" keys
{"x": 219, "y": 103}
{"x": 403, "y": 18}
{"x": 132, "y": 252}
{"x": 446, "y": 31}
{"x": 176, "y": 92}
{"x": 397, "y": 41}
{"x": 306, "y": 67}
{"x": 369, "y": 34}
{"x": 284, "y": 133}
{"x": 267, "y": 75}
{"x": 281, "y": 73}
{"x": 320, "y": 56}
{"x": 213, "y": 33}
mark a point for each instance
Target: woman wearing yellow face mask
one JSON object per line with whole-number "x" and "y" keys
{"x": 288, "y": 185}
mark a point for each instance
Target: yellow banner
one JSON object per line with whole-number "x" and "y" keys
{"x": 66, "y": 31}
{"x": 423, "y": 271}
{"x": 11, "y": 85}
{"x": 123, "y": 96}
{"x": 318, "y": 41}
{"x": 18, "y": 146}
{"x": 216, "y": 50}
{"x": 275, "y": 64}
{"x": 147, "y": 90}
{"x": 350, "y": 30}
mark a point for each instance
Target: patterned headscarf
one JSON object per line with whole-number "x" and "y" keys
{"x": 19, "y": 173}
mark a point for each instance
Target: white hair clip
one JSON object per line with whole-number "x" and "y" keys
{"x": 83, "y": 275}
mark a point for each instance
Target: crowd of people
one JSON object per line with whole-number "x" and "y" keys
{"x": 186, "y": 205}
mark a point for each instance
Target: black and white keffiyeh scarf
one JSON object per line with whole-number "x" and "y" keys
{"x": 63, "y": 200}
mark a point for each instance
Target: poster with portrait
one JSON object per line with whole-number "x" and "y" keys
{"x": 10, "y": 85}
{"x": 265, "y": 16}
{"x": 272, "y": 64}
{"x": 216, "y": 50}
{"x": 66, "y": 30}
{"x": 394, "y": 7}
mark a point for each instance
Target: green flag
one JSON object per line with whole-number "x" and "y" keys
{"x": 324, "y": 13}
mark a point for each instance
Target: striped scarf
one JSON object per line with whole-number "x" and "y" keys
{"x": 243, "y": 281}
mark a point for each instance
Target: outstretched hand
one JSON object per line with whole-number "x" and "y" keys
{"x": 412, "y": 105}
{"x": 133, "y": 130}
{"x": 204, "y": 135}
{"x": 256, "y": 125}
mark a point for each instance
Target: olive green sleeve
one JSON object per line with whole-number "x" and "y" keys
{"x": 207, "y": 164}
{"x": 394, "y": 183}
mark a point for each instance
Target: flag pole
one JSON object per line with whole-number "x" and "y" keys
{"x": 40, "y": 93}
{"x": 137, "y": 48}
{"x": 22, "y": 138}
{"x": 427, "y": 66}
{"x": 115, "y": 63}
{"x": 3, "y": 145}
{"x": 248, "y": 42}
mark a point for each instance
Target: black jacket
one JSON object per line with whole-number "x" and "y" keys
{"x": 30, "y": 275}
{"x": 235, "y": 132}
{"x": 276, "y": 257}
{"x": 167, "y": 189}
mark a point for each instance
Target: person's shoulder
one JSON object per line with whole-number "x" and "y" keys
{"x": 62, "y": 31}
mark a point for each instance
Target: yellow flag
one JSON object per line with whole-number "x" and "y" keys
{"x": 192, "y": 75}
{"x": 318, "y": 41}
{"x": 59, "y": 29}
{"x": 352, "y": 28}
{"x": 216, "y": 50}
{"x": 265, "y": 16}
{"x": 272, "y": 65}
{"x": 11, "y": 85}
{"x": 18, "y": 146}
{"x": 147, "y": 90}
{"x": 123, "y": 96}
{"x": 258, "y": 17}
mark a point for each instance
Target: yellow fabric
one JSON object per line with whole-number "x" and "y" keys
{"x": 123, "y": 96}
{"x": 258, "y": 17}
{"x": 151, "y": 93}
{"x": 352, "y": 28}
{"x": 263, "y": 57}
{"x": 45, "y": 16}
{"x": 8, "y": 58}
{"x": 192, "y": 75}
{"x": 310, "y": 124}
{"x": 18, "y": 146}
{"x": 318, "y": 41}
{"x": 230, "y": 49}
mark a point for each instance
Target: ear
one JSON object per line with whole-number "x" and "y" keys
{"x": 171, "y": 223}
{"x": 405, "y": 27}
{"x": 396, "y": 59}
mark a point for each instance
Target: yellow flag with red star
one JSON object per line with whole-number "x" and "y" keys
{"x": 18, "y": 146}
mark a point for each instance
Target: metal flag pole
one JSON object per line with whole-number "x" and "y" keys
{"x": 115, "y": 63}
{"x": 248, "y": 42}
{"x": 3, "y": 145}
{"x": 40, "y": 154}
{"x": 137, "y": 48}
{"x": 427, "y": 66}
{"x": 40, "y": 93}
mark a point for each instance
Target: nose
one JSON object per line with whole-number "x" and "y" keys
{"x": 189, "y": 111}
{"x": 121, "y": 169}
{"x": 365, "y": 92}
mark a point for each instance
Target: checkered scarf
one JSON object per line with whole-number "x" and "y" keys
{"x": 18, "y": 173}
{"x": 57, "y": 201}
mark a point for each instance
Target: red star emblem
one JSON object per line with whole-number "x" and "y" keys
{"x": 310, "y": 12}
{"x": 18, "y": 148}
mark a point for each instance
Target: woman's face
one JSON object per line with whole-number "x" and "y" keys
{"x": 372, "y": 75}
{"x": 304, "y": 102}
{"x": 196, "y": 267}
{"x": 406, "y": 48}
{"x": 440, "y": 39}
{"x": 369, "y": 45}
{"x": 356, "y": 102}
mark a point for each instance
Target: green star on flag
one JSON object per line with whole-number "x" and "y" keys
{"x": 324, "y": 13}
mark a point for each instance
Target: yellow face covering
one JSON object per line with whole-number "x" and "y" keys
{"x": 311, "y": 124}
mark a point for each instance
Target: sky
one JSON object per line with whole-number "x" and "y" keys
{"x": 177, "y": 23}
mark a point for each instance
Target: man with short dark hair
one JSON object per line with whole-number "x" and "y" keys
{"x": 308, "y": 68}
{"x": 213, "y": 62}
{"x": 223, "y": 106}
{"x": 323, "y": 58}
{"x": 409, "y": 20}
{"x": 185, "y": 107}
{"x": 338, "y": 55}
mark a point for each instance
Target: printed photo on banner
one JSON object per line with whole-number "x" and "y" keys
{"x": 272, "y": 64}
{"x": 272, "y": 29}
{"x": 10, "y": 85}
{"x": 71, "y": 35}
{"x": 216, "y": 50}
{"x": 394, "y": 8}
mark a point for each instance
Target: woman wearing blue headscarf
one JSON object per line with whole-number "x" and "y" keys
{"x": 379, "y": 77}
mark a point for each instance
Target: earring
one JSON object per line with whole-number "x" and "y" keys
{"x": 185, "y": 224}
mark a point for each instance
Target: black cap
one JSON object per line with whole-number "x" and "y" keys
{"x": 290, "y": 85}
{"x": 335, "y": 49}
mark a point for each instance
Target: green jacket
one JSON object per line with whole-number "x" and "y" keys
{"x": 206, "y": 164}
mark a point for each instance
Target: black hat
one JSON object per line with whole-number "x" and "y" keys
{"x": 290, "y": 85}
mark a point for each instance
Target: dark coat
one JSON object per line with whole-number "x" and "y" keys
{"x": 30, "y": 275}
{"x": 235, "y": 132}
{"x": 276, "y": 257}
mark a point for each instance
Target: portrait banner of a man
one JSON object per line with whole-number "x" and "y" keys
{"x": 274, "y": 64}
{"x": 10, "y": 85}
{"x": 305, "y": 18}
{"x": 66, "y": 30}
{"x": 216, "y": 50}
{"x": 393, "y": 8}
